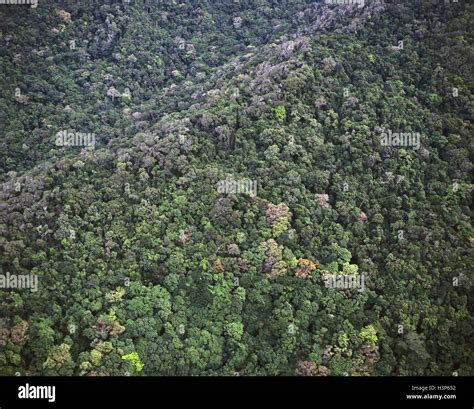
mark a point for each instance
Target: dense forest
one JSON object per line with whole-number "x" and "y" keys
{"x": 236, "y": 187}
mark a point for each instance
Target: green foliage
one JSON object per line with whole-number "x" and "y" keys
{"x": 280, "y": 113}
{"x": 235, "y": 330}
{"x": 369, "y": 334}
{"x": 135, "y": 247}
{"x": 134, "y": 360}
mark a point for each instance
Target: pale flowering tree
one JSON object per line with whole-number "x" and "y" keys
{"x": 113, "y": 93}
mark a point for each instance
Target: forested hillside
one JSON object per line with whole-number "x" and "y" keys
{"x": 244, "y": 154}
